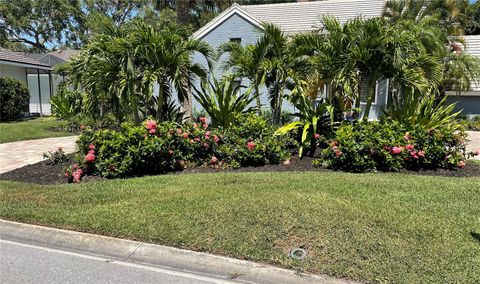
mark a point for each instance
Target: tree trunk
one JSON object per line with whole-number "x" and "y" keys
{"x": 363, "y": 93}
{"x": 160, "y": 100}
{"x": 183, "y": 11}
{"x": 371, "y": 95}
{"x": 258, "y": 101}
{"x": 277, "y": 111}
{"x": 187, "y": 107}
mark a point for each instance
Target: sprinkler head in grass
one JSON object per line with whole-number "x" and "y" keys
{"x": 298, "y": 253}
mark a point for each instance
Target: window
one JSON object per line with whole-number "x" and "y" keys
{"x": 236, "y": 40}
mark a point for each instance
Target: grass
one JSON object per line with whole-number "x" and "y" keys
{"x": 367, "y": 227}
{"x": 30, "y": 129}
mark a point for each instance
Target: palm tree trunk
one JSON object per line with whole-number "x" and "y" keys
{"x": 187, "y": 106}
{"x": 258, "y": 101}
{"x": 277, "y": 112}
{"x": 371, "y": 95}
{"x": 160, "y": 100}
{"x": 183, "y": 12}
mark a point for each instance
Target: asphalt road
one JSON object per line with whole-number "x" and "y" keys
{"x": 25, "y": 263}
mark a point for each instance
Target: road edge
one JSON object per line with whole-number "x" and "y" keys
{"x": 157, "y": 255}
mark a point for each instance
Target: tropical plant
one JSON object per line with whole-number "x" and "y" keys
{"x": 66, "y": 103}
{"x": 314, "y": 118}
{"x": 416, "y": 110}
{"x": 222, "y": 101}
{"x": 244, "y": 62}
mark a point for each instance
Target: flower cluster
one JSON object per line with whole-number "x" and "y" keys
{"x": 74, "y": 173}
{"x": 90, "y": 157}
{"x": 151, "y": 126}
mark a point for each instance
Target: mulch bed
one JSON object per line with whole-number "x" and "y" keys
{"x": 41, "y": 173}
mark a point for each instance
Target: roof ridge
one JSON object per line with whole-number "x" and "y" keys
{"x": 301, "y": 3}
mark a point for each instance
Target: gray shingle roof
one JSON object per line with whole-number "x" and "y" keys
{"x": 19, "y": 57}
{"x": 304, "y": 16}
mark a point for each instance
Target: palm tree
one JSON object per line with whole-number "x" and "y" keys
{"x": 166, "y": 58}
{"x": 244, "y": 62}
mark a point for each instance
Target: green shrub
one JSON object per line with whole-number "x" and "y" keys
{"x": 250, "y": 141}
{"x": 389, "y": 146}
{"x": 55, "y": 157}
{"x": 159, "y": 148}
{"x": 14, "y": 99}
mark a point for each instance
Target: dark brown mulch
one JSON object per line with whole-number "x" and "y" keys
{"x": 41, "y": 173}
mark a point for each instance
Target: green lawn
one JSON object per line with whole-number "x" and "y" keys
{"x": 368, "y": 227}
{"x": 30, "y": 129}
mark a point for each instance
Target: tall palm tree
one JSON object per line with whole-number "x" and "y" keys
{"x": 244, "y": 63}
{"x": 166, "y": 58}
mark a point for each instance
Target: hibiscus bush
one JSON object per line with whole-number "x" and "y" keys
{"x": 250, "y": 141}
{"x": 164, "y": 147}
{"x": 389, "y": 146}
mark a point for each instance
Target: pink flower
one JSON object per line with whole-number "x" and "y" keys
{"x": 170, "y": 152}
{"x": 197, "y": 139}
{"x": 66, "y": 175}
{"x": 407, "y": 137}
{"x": 396, "y": 150}
{"x": 216, "y": 138}
{"x": 191, "y": 141}
{"x": 151, "y": 124}
{"x": 203, "y": 119}
{"x": 414, "y": 155}
{"x": 91, "y": 147}
{"x": 75, "y": 165}
{"x": 250, "y": 145}
{"x": 461, "y": 164}
{"x": 76, "y": 178}
{"x": 386, "y": 147}
{"x": 185, "y": 135}
{"x": 82, "y": 127}
{"x": 152, "y": 130}
{"x": 91, "y": 152}
{"x": 195, "y": 125}
{"x": 316, "y": 136}
{"x": 90, "y": 158}
{"x": 286, "y": 162}
{"x": 207, "y": 135}
{"x": 410, "y": 147}
{"x": 421, "y": 153}
{"x": 205, "y": 145}
{"x": 338, "y": 153}
{"x": 214, "y": 160}
{"x": 204, "y": 125}
{"x": 476, "y": 153}
{"x": 179, "y": 131}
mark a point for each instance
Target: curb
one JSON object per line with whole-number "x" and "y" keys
{"x": 157, "y": 255}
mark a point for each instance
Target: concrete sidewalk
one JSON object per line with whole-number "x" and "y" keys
{"x": 474, "y": 142}
{"x": 21, "y": 153}
{"x": 131, "y": 253}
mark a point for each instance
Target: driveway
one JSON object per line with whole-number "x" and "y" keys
{"x": 21, "y": 153}
{"x": 474, "y": 142}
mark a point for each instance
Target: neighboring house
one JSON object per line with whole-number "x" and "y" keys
{"x": 36, "y": 71}
{"x": 468, "y": 101}
{"x": 242, "y": 23}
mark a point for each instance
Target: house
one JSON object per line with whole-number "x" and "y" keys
{"x": 242, "y": 23}
{"x": 36, "y": 71}
{"x": 468, "y": 101}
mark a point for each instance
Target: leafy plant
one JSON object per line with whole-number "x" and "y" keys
{"x": 66, "y": 103}
{"x": 313, "y": 118}
{"x": 14, "y": 99}
{"x": 389, "y": 146}
{"x": 222, "y": 101}
{"x": 414, "y": 110}
{"x": 56, "y": 157}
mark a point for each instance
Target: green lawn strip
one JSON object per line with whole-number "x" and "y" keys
{"x": 30, "y": 129}
{"x": 368, "y": 227}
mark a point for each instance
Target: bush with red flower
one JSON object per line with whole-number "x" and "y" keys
{"x": 389, "y": 146}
